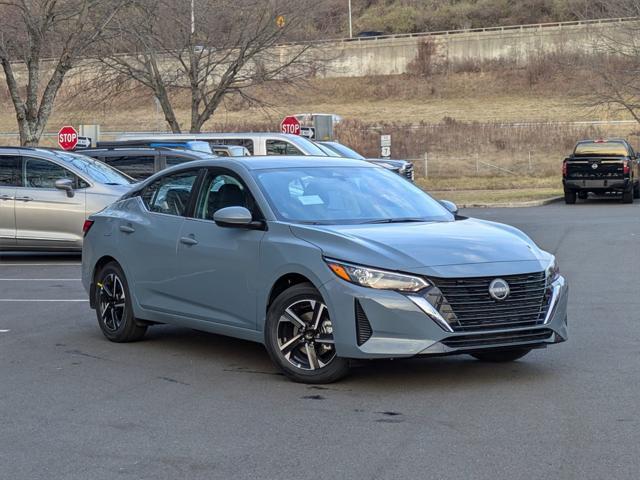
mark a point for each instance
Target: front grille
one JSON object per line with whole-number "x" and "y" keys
{"x": 363, "y": 327}
{"x": 502, "y": 338}
{"x": 467, "y": 305}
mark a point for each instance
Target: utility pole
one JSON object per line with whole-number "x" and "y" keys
{"x": 350, "y": 24}
{"x": 193, "y": 17}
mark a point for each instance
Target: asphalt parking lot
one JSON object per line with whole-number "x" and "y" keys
{"x": 184, "y": 404}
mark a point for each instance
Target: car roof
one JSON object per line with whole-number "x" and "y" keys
{"x": 277, "y": 161}
{"x": 205, "y": 135}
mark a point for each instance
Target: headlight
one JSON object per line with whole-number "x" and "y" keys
{"x": 553, "y": 271}
{"x": 373, "y": 278}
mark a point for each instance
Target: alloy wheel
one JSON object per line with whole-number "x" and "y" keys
{"x": 305, "y": 335}
{"x": 112, "y": 302}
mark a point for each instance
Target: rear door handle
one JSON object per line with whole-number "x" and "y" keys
{"x": 127, "y": 229}
{"x": 188, "y": 240}
{"x": 24, "y": 199}
{"x": 6, "y": 197}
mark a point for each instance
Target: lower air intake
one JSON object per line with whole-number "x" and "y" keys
{"x": 363, "y": 327}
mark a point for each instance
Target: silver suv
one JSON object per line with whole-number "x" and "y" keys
{"x": 46, "y": 195}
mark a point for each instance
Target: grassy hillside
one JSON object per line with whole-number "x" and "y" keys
{"x": 485, "y": 121}
{"x": 405, "y": 16}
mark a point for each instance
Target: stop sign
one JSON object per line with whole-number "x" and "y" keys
{"x": 290, "y": 125}
{"x": 67, "y": 138}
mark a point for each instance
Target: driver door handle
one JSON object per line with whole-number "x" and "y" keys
{"x": 127, "y": 229}
{"x": 24, "y": 199}
{"x": 188, "y": 240}
{"x": 6, "y": 197}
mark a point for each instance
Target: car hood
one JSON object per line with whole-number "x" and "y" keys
{"x": 395, "y": 164}
{"x": 412, "y": 246}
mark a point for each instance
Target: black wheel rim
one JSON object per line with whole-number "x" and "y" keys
{"x": 305, "y": 335}
{"x": 112, "y": 302}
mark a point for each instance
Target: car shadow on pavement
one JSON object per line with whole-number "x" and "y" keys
{"x": 244, "y": 357}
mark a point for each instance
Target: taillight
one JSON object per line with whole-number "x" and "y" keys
{"x": 626, "y": 167}
{"x": 86, "y": 227}
{"x": 564, "y": 169}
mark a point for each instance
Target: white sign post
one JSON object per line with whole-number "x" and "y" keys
{"x": 385, "y": 146}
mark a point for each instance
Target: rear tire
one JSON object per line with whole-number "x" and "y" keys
{"x": 501, "y": 356}
{"x": 569, "y": 197}
{"x": 113, "y": 306}
{"x": 299, "y": 337}
{"x": 627, "y": 195}
{"x": 636, "y": 190}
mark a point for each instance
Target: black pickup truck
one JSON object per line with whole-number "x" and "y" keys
{"x": 601, "y": 166}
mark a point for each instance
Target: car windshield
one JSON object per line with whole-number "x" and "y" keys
{"x": 347, "y": 195}
{"x": 328, "y": 151}
{"x": 343, "y": 150}
{"x": 307, "y": 145}
{"x": 96, "y": 170}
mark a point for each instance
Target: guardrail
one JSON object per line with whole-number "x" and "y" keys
{"x": 508, "y": 28}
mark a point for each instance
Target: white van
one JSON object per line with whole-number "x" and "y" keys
{"x": 260, "y": 143}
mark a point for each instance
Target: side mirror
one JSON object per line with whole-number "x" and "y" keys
{"x": 452, "y": 207}
{"x": 233, "y": 217}
{"x": 66, "y": 185}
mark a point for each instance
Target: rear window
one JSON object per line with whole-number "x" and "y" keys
{"x": 601, "y": 149}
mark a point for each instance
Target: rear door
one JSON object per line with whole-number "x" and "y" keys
{"x": 147, "y": 237}
{"x": 46, "y": 217}
{"x": 10, "y": 162}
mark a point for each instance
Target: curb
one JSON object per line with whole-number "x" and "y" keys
{"x": 532, "y": 203}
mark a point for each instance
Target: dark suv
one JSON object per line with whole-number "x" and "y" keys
{"x": 142, "y": 162}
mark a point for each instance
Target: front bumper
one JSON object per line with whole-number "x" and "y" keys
{"x": 402, "y": 327}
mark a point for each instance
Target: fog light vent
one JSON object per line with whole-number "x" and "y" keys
{"x": 363, "y": 327}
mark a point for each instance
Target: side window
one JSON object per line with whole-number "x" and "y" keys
{"x": 10, "y": 171}
{"x": 171, "y": 161}
{"x": 136, "y": 166}
{"x": 281, "y": 147}
{"x": 40, "y": 173}
{"x": 243, "y": 142}
{"x": 221, "y": 190}
{"x": 170, "y": 194}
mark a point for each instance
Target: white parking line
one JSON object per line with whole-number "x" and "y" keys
{"x": 4, "y": 331}
{"x": 43, "y": 300}
{"x": 40, "y": 279}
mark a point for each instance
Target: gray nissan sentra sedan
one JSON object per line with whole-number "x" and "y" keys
{"x": 322, "y": 262}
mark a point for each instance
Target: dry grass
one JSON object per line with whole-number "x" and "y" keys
{"x": 506, "y": 197}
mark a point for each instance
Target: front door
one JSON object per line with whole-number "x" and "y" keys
{"x": 218, "y": 265}
{"x": 46, "y": 217}
{"x": 9, "y": 180}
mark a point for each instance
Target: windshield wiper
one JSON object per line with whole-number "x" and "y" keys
{"x": 397, "y": 220}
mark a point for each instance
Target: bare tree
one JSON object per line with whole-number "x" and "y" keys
{"x": 40, "y": 42}
{"x": 208, "y": 50}
{"x": 611, "y": 71}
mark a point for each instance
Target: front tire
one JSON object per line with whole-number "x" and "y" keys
{"x": 113, "y": 306}
{"x": 501, "y": 356}
{"x": 570, "y": 197}
{"x": 299, "y": 337}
